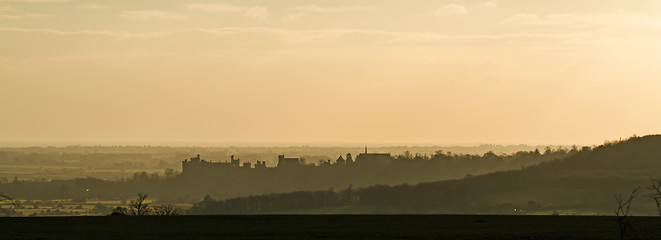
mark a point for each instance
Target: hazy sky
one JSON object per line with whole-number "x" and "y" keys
{"x": 312, "y": 71}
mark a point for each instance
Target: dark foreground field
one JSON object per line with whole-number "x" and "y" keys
{"x": 326, "y": 227}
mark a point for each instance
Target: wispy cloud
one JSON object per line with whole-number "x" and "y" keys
{"x": 92, "y": 6}
{"x": 257, "y": 13}
{"x": 296, "y": 38}
{"x": 23, "y": 16}
{"x": 216, "y": 7}
{"x": 450, "y": 10}
{"x": 527, "y": 19}
{"x": 119, "y": 35}
{"x": 299, "y": 12}
{"x": 332, "y": 36}
{"x": 490, "y": 4}
{"x": 7, "y": 9}
{"x": 150, "y": 15}
{"x": 254, "y": 12}
{"x": 11, "y": 13}
{"x": 286, "y": 36}
{"x": 616, "y": 19}
{"x": 34, "y": 1}
{"x": 318, "y": 9}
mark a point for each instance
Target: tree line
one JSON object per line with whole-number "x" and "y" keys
{"x": 173, "y": 187}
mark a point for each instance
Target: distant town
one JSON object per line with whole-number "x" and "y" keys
{"x": 198, "y": 165}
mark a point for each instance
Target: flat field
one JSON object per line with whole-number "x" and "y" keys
{"x": 327, "y": 227}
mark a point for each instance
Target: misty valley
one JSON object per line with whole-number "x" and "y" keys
{"x": 343, "y": 119}
{"x": 324, "y": 180}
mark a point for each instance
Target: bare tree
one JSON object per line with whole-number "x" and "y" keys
{"x": 624, "y": 204}
{"x": 623, "y": 213}
{"x": 139, "y": 207}
{"x": 655, "y": 188}
{"x": 164, "y": 210}
{"x": 4, "y": 199}
{"x": 120, "y": 211}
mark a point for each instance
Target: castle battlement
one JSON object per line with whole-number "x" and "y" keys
{"x": 196, "y": 164}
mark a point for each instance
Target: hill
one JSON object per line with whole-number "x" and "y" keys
{"x": 227, "y": 180}
{"x": 582, "y": 183}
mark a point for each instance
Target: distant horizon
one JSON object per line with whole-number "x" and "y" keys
{"x": 221, "y": 144}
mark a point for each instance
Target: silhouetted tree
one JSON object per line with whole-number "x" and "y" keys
{"x": 407, "y": 155}
{"x": 655, "y": 188}
{"x": 623, "y": 213}
{"x": 138, "y": 206}
{"x": 164, "y": 210}
{"x": 170, "y": 173}
{"x": 101, "y": 209}
{"x": 4, "y": 199}
{"x": 120, "y": 211}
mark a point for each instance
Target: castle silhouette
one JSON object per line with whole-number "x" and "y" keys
{"x": 198, "y": 165}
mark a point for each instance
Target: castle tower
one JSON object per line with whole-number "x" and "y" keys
{"x": 288, "y": 162}
{"x": 340, "y": 160}
{"x": 235, "y": 162}
{"x": 196, "y": 159}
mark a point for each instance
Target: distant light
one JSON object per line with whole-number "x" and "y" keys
{"x": 87, "y": 190}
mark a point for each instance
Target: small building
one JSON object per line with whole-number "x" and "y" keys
{"x": 373, "y": 158}
{"x": 288, "y": 162}
{"x": 260, "y": 165}
{"x": 235, "y": 162}
{"x": 199, "y": 165}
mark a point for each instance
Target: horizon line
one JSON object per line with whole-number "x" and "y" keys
{"x": 222, "y": 144}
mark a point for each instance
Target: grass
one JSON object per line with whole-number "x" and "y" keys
{"x": 325, "y": 227}
{"x": 65, "y": 207}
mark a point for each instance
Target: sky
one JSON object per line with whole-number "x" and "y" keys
{"x": 333, "y": 71}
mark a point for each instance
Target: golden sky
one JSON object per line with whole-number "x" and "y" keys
{"x": 334, "y": 71}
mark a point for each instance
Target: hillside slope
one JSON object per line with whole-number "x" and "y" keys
{"x": 583, "y": 183}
